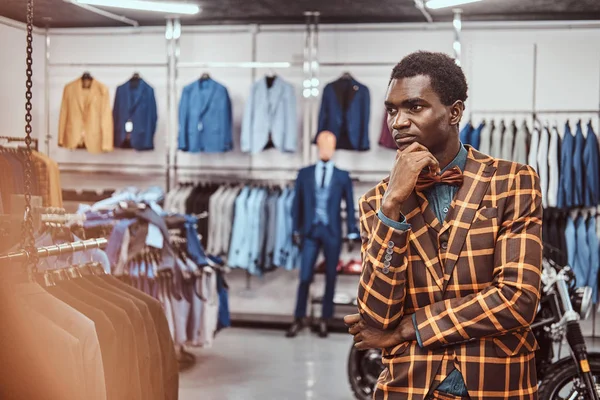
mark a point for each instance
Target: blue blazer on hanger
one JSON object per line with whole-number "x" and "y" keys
{"x": 270, "y": 111}
{"x": 591, "y": 160}
{"x": 578, "y": 168}
{"x": 136, "y": 104}
{"x": 345, "y": 111}
{"x": 304, "y": 206}
{"x": 205, "y": 120}
{"x": 566, "y": 179}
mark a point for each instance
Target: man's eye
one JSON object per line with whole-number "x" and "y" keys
{"x": 416, "y": 108}
{"x": 391, "y": 111}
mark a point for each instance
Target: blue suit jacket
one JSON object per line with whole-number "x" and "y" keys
{"x": 139, "y": 106}
{"x": 304, "y": 206}
{"x": 205, "y": 118}
{"x": 465, "y": 133}
{"x": 270, "y": 111}
{"x": 566, "y": 181}
{"x": 591, "y": 160}
{"x": 350, "y": 125}
{"x": 238, "y": 247}
{"x": 578, "y": 168}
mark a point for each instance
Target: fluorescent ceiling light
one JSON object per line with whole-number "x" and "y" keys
{"x": 436, "y": 4}
{"x": 157, "y": 6}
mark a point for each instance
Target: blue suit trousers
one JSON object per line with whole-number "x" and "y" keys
{"x": 320, "y": 237}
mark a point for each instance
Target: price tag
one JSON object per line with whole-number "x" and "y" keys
{"x": 129, "y": 126}
{"x": 200, "y": 126}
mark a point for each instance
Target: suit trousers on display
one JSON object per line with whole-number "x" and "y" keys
{"x": 319, "y": 237}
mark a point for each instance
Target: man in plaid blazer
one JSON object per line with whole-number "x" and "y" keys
{"x": 450, "y": 303}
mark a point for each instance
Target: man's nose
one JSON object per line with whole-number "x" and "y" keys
{"x": 401, "y": 122}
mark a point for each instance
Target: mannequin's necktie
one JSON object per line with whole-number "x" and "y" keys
{"x": 453, "y": 177}
{"x": 323, "y": 178}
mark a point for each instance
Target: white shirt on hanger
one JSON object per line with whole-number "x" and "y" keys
{"x": 554, "y": 173}
{"x": 533, "y": 149}
{"x": 542, "y": 161}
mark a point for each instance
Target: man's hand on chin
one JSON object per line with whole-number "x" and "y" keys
{"x": 367, "y": 337}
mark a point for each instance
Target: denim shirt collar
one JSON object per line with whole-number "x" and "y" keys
{"x": 459, "y": 161}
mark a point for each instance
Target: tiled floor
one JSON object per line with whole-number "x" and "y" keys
{"x": 255, "y": 364}
{"x": 252, "y": 364}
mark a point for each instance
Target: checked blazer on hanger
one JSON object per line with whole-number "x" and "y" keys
{"x": 472, "y": 283}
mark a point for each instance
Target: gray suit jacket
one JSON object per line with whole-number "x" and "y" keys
{"x": 520, "y": 147}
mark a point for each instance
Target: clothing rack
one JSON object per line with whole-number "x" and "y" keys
{"x": 239, "y": 64}
{"x": 54, "y": 250}
{"x": 20, "y": 139}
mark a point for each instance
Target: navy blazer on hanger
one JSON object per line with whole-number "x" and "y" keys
{"x": 136, "y": 104}
{"x": 345, "y": 111}
{"x": 591, "y": 161}
{"x": 205, "y": 120}
{"x": 304, "y": 206}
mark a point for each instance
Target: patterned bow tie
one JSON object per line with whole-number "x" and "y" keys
{"x": 453, "y": 176}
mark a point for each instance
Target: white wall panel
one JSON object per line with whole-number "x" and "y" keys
{"x": 218, "y": 47}
{"x": 568, "y": 70}
{"x": 498, "y": 64}
{"x": 122, "y": 48}
{"x": 12, "y": 83}
{"x": 377, "y": 47}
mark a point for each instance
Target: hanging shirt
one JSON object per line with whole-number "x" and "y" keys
{"x": 322, "y": 190}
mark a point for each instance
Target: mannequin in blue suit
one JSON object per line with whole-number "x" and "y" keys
{"x": 317, "y": 224}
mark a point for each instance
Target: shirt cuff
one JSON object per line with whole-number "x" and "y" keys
{"x": 353, "y": 236}
{"x": 414, "y": 320}
{"x": 399, "y": 225}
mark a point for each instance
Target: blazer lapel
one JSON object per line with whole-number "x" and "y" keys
{"x": 428, "y": 214}
{"x": 274, "y": 94}
{"x": 135, "y": 95}
{"x": 205, "y": 94}
{"x": 345, "y": 91}
{"x": 420, "y": 237}
{"x": 478, "y": 173}
{"x": 312, "y": 187}
{"x": 80, "y": 95}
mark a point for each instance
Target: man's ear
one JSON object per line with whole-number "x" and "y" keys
{"x": 456, "y": 112}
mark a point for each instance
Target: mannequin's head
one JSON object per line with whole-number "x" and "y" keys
{"x": 326, "y": 141}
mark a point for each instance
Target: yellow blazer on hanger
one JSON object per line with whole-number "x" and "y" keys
{"x": 86, "y": 117}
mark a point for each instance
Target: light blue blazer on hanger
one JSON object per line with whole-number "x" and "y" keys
{"x": 270, "y": 110}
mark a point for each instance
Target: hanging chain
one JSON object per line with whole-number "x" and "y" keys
{"x": 28, "y": 239}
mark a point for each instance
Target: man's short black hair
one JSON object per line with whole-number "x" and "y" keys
{"x": 447, "y": 78}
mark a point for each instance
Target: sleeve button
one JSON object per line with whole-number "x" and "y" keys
{"x": 386, "y": 270}
{"x": 390, "y": 251}
{"x": 388, "y": 257}
{"x": 390, "y": 244}
{"x": 386, "y": 264}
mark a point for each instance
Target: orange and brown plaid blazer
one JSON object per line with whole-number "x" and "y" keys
{"x": 473, "y": 283}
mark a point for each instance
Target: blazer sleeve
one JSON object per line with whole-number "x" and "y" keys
{"x": 291, "y": 121}
{"x": 116, "y": 113}
{"x": 182, "y": 139}
{"x": 591, "y": 158}
{"x": 510, "y": 302}
{"x": 64, "y": 116}
{"x": 385, "y": 253}
{"x": 349, "y": 199}
{"x": 297, "y": 205}
{"x": 108, "y": 136}
{"x": 247, "y": 123}
{"x": 228, "y": 123}
{"x": 153, "y": 113}
{"x": 324, "y": 111}
{"x": 365, "y": 143}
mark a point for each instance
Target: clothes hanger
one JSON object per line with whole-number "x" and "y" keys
{"x": 205, "y": 76}
{"x": 346, "y": 75}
